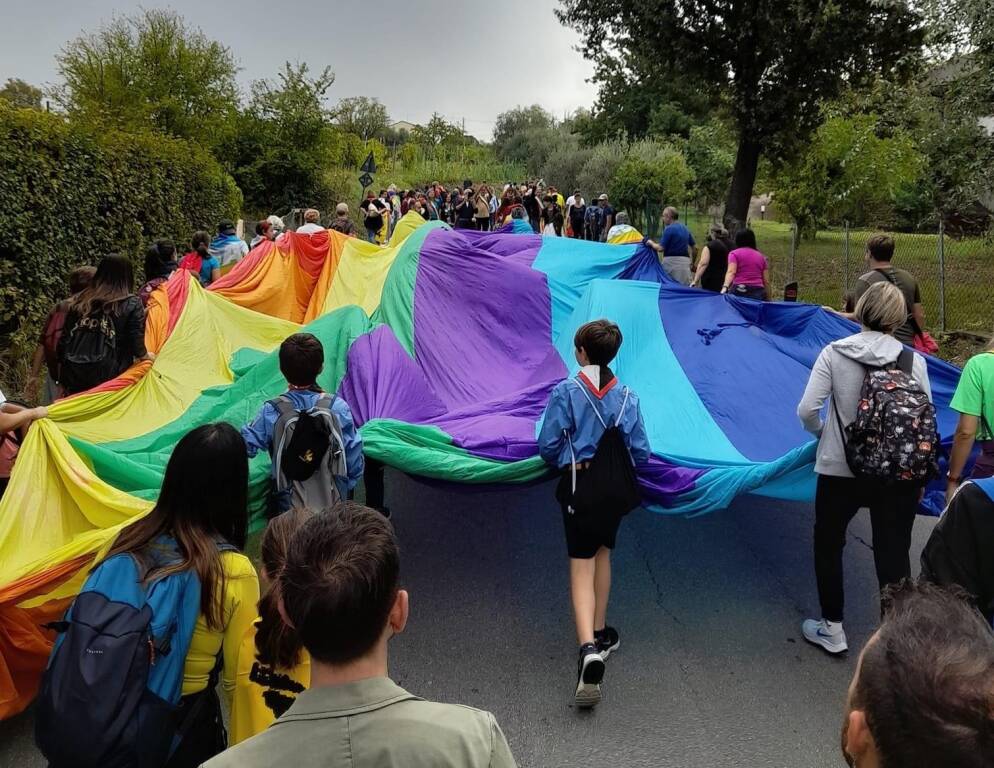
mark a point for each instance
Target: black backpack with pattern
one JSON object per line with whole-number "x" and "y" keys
{"x": 894, "y": 436}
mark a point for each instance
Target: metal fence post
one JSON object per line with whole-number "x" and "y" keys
{"x": 793, "y": 248}
{"x": 942, "y": 276}
{"x": 846, "y": 256}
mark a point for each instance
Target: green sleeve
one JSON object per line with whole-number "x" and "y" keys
{"x": 969, "y": 397}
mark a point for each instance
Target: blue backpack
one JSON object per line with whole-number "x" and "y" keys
{"x": 114, "y": 679}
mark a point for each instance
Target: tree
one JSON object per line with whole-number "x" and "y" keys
{"x": 769, "y": 63}
{"x": 151, "y": 71}
{"x": 21, "y": 94}
{"x": 285, "y": 143}
{"x": 366, "y": 118}
{"x": 849, "y": 173}
{"x": 710, "y": 152}
{"x": 654, "y": 175}
{"x": 438, "y": 138}
{"x": 516, "y": 122}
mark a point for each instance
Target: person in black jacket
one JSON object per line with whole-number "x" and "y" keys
{"x": 104, "y": 332}
{"x": 713, "y": 263}
{"x": 960, "y": 550}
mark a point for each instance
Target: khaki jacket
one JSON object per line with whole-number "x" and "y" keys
{"x": 373, "y": 723}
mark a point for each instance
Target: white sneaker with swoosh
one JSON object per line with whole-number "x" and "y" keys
{"x": 830, "y": 638}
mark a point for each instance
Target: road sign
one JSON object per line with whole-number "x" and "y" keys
{"x": 368, "y": 165}
{"x": 365, "y": 180}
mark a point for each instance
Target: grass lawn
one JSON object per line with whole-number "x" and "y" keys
{"x": 820, "y": 268}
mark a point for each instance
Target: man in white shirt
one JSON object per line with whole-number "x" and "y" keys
{"x": 312, "y": 219}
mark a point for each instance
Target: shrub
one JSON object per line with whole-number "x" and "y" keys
{"x": 71, "y": 193}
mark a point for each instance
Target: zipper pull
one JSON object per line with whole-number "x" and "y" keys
{"x": 151, "y": 651}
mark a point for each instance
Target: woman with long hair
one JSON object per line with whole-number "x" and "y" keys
{"x": 104, "y": 330}
{"x": 200, "y": 261}
{"x": 273, "y": 667}
{"x": 974, "y": 400}
{"x": 206, "y": 514}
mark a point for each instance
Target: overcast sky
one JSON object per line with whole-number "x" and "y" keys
{"x": 465, "y": 60}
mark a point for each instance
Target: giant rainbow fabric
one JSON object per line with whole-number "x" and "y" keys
{"x": 446, "y": 345}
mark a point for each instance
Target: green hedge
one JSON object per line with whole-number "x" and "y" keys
{"x": 70, "y": 193}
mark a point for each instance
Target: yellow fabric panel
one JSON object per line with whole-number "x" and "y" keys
{"x": 363, "y": 269}
{"x": 55, "y": 509}
{"x": 194, "y": 358}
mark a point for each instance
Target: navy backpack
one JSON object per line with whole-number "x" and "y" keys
{"x": 114, "y": 679}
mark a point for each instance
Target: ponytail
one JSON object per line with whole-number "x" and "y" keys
{"x": 277, "y": 644}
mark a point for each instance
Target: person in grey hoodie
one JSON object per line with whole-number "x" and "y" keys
{"x": 837, "y": 378}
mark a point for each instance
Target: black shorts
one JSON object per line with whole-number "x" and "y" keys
{"x": 582, "y": 541}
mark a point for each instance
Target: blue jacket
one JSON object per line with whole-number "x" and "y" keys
{"x": 569, "y": 413}
{"x": 259, "y": 434}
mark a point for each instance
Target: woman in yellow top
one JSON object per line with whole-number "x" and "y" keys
{"x": 272, "y": 666}
{"x": 203, "y": 505}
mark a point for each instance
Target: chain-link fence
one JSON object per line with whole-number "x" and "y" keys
{"x": 955, "y": 274}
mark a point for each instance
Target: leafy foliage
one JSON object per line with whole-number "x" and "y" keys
{"x": 365, "y": 117}
{"x": 150, "y": 71}
{"x": 21, "y": 94}
{"x": 850, "y": 172}
{"x": 652, "y": 175}
{"x": 515, "y": 123}
{"x": 284, "y": 143}
{"x": 71, "y": 193}
{"x": 769, "y": 64}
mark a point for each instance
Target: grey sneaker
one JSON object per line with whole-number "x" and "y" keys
{"x": 831, "y": 639}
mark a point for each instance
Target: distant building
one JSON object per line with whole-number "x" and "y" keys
{"x": 403, "y": 125}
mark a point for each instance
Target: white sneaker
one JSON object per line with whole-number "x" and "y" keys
{"x": 829, "y": 635}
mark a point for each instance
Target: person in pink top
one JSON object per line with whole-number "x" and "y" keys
{"x": 748, "y": 272}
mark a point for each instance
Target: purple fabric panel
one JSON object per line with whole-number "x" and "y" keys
{"x": 384, "y": 382}
{"x": 521, "y": 248}
{"x": 663, "y": 482}
{"x": 482, "y": 325}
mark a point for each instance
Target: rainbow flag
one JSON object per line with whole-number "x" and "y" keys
{"x": 446, "y": 345}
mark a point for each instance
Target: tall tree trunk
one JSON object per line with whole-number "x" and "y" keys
{"x": 743, "y": 179}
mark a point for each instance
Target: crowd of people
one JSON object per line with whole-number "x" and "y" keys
{"x": 300, "y": 649}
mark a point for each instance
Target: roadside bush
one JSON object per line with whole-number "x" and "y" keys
{"x": 71, "y": 193}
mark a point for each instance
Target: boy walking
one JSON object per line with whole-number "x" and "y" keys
{"x": 588, "y": 416}
{"x": 314, "y": 446}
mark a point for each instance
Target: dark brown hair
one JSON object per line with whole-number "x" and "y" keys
{"x": 301, "y": 359}
{"x": 80, "y": 278}
{"x": 600, "y": 339}
{"x": 278, "y": 644}
{"x": 926, "y": 680}
{"x": 881, "y": 247}
{"x": 113, "y": 282}
{"x": 340, "y": 581}
{"x": 203, "y": 502}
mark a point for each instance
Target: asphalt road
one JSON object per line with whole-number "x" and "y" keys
{"x": 711, "y": 672}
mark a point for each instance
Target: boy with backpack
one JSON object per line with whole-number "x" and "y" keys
{"x": 593, "y": 432}
{"x": 315, "y": 448}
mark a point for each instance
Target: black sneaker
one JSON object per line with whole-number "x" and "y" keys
{"x": 607, "y": 641}
{"x": 589, "y": 673}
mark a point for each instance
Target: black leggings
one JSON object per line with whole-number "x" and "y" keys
{"x": 483, "y": 224}
{"x": 892, "y": 516}
{"x": 206, "y": 736}
{"x": 372, "y": 477}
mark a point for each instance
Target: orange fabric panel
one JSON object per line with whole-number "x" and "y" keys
{"x": 329, "y": 267}
{"x": 21, "y": 634}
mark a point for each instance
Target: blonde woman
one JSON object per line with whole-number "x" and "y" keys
{"x": 836, "y": 379}
{"x": 483, "y": 208}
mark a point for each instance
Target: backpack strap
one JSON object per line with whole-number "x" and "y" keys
{"x": 906, "y": 360}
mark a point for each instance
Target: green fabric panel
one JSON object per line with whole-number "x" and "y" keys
{"x": 397, "y": 299}
{"x": 428, "y": 451}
